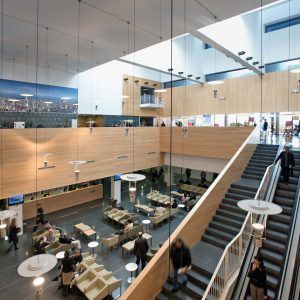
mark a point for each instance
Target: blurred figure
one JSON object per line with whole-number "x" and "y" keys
{"x": 40, "y": 217}
{"x": 13, "y": 233}
{"x": 287, "y": 162}
{"x": 257, "y": 275}
{"x": 181, "y": 259}
{"x": 265, "y": 128}
{"x": 141, "y": 248}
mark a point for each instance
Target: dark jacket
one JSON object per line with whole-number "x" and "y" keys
{"x": 258, "y": 277}
{"x": 180, "y": 257}
{"x": 13, "y": 234}
{"x": 290, "y": 159}
{"x": 67, "y": 265}
{"x": 65, "y": 239}
{"x": 141, "y": 247}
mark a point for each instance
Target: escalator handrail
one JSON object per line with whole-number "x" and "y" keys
{"x": 288, "y": 248}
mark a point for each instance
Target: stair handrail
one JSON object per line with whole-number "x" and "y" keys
{"x": 290, "y": 241}
{"x": 225, "y": 268}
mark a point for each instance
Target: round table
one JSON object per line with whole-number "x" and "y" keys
{"x": 146, "y": 222}
{"x": 181, "y": 205}
{"x": 93, "y": 245}
{"x": 131, "y": 267}
{"x": 60, "y": 255}
{"x": 37, "y": 265}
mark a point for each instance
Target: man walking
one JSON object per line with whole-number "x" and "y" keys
{"x": 287, "y": 163}
{"x": 40, "y": 218}
{"x": 181, "y": 259}
{"x": 141, "y": 248}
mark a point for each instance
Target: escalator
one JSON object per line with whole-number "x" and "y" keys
{"x": 278, "y": 235}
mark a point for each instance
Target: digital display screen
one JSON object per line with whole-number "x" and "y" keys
{"x": 14, "y": 200}
{"x": 117, "y": 177}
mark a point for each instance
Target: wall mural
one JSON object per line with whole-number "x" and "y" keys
{"x": 19, "y": 96}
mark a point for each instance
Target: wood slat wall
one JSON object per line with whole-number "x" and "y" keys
{"x": 213, "y": 142}
{"x": 64, "y": 200}
{"x": 22, "y": 149}
{"x": 248, "y": 94}
{"x": 148, "y": 284}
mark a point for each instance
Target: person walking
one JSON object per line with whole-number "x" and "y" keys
{"x": 298, "y": 129}
{"x": 181, "y": 260}
{"x": 265, "y": 128}
{"x": 13, "y": 233}
{"x": 40, "y": 217}
{"x": 287, "y": 162}
{"x": 141, "y": 248}
{"x": 188, "y": 173}
{"x": 257, "y": 275}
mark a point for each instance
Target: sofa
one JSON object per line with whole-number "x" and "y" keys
{"x": 156, "y": 220}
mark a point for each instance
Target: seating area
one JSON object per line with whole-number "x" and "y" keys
{"x": 84, "y": 230}
{"x": 96, "y": 282}
{"x": 129, "y": 246}
{"x": 158, "y": 219}
{"x": 117, "y": 215}
{"x": 157, "y": 198}
{"x": 191, "y": 188}
{"x": 144, "y": 208}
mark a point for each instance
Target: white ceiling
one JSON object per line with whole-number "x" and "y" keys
{"x": 105, "y": 23}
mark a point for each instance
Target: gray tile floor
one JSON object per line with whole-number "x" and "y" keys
{"x": 12, "y": 286}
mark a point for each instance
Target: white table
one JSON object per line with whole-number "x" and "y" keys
{"x": 93, "y": 245}
{"x": 3, "y": 230}
{"x": 37, "y": 265}
{"x": 131, "y": 267}
{"x": 146, "y": 222}
{"x": 181, "y": 205}
{"x": 60, "y": 255}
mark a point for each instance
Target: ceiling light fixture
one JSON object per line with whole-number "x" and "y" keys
{"x": 215, "y": 82}
{"x": 295, "y": 70}
{"x": 65, "y": 98}
{"x": 13, "y": 100}
{"x": 26, "y": 95}
{"x": 160, "y": 91}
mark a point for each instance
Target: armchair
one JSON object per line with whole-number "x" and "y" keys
{"x": 85, "y": 279}
{"x": 97, "y": 290}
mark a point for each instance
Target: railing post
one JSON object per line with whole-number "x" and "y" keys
{"x": 225, "y": 269}
{"x": 240, "y": 248}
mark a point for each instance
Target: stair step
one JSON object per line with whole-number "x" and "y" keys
{"x": 283, "y": 201}
{"x": 272, "y": 282}
{"x": 249, "y": 188}
{"x": 221, "y": 226}
{"x": 236, "y": 196}
{"x": 242, "y": 192}
{"x": 230, "y": 201}
{"x": 259, "y": 178}
{"x": 254, "y": 173}
{"x": 266, "y": 158}
{"x": 292, "y": 180}
{"x": 230, "y": 214}
{"x": 220, "y": 234}
{"x": 286, "y": 194}
{"x": 286, "y": 210}
{"x": 276, "y": 236}
{"x": 281, "y": 218}
{"x": 279, "y": 227}
{"x": 233, "y": 208}
{"x": 272, "y": 256}
{"x": 214, "y": 241}
{"x": 272, "y": 269}
{"x": 288, "y": 187}
{"x": 198, "y": 278}
{"x": 181, "y": 294}
{"x": 228, "y": 221}
{"x": 274, "y": 246}
{"x": 162, "y": 296}
{"x": 255, "y": 169}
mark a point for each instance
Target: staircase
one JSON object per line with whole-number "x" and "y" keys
{"x": 224, "y": 226}
{"x": 278, "y": 227}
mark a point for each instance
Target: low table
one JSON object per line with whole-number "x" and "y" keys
{"x": 131, "y": 267}
{"x": 89, "y": 233}
{"x": 148, "y": 237}
{"x": 128, "y": 247}
{"x": 93, "y": 245}
{"x": 60, "y": 255}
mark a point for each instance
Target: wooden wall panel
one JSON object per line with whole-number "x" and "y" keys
{"x": 148, "y": 284}
{"x": 22, "y": 155}
{"x": 247, "y": 94}
{"x": 65, "y": 200}
{"x": 213, "y": 142}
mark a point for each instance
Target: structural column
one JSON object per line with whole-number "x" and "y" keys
{"x": 116, "y": 189}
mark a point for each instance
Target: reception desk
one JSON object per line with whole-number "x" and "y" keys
{"x": 57, "y": 202}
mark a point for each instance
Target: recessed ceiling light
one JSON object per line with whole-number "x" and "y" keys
{"x": 160, "y": 91}
{"x": 295, "y": 70}
{"x": 215, "y": 82}
{"x": 26, "y": 95}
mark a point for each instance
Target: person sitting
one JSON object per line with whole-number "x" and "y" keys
{"x": 174, "y": 203}
{"x": 77, "y": 256}
{"x": 114, "y": 203}
{"x": 47, "y": 225}
{"x": 50, "y": 238}
{"x": 185, "y": 198}
{"x": 67, "y": 272}
{"x": 40, "y": 245}
{"x": 127, "y": 227}
{"x": 64, "y": 239}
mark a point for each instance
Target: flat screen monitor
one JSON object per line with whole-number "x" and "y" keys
{"x": 14, "y": 200}
{"x": 117, "y": 177}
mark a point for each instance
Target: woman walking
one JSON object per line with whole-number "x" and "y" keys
{"x": 13, "y": 233}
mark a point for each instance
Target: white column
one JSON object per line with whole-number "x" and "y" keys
{"x": 168, "y": 180}
{"x": 116, "y": 190}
